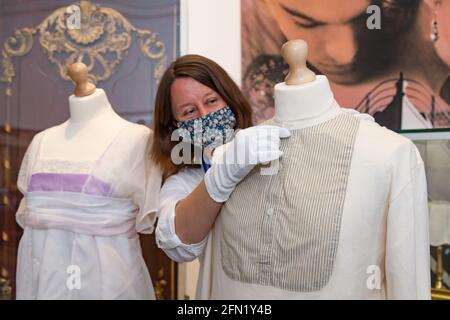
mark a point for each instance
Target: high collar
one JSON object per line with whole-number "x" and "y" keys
{"x": 331, "y": 112}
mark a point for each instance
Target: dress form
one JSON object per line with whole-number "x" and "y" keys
{"x": 89, "y": 189}
{"x": 303, "y": 95}
{"x": 92, "y": 125}
{"x": 374, "y": 219}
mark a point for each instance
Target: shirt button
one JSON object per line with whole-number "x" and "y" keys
{"x": 269, "y": 211}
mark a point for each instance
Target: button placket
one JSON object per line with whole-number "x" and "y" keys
{"x": 265, "y": 257}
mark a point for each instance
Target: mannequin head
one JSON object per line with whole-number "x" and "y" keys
{"x": 78, "y": 72}
{"x": 191, "y": 87}
{"x": 295, "y": 53}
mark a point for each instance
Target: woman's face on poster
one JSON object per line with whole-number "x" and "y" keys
{"x": 443, "y": 24}
{"x": 331, "y": 28}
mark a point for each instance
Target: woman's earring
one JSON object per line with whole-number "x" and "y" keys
{"x": 435, "y": 32}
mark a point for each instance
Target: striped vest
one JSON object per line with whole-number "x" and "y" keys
{"x": 282, "y": 230}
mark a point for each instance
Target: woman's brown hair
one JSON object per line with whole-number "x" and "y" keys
{"x": 208, "y": 73}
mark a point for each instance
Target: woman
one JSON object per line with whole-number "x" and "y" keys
{"x": 195, "y": 90}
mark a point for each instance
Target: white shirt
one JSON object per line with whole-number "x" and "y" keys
{"x": 383, "y": 250}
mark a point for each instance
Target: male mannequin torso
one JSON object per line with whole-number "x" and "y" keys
{"x": 345, "y": 216}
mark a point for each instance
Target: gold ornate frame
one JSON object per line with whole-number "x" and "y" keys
{"x": 102, "y": 31}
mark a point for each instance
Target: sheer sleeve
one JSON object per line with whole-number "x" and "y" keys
{"x": 22, "y": 182}
{"x": 147, "y": 196}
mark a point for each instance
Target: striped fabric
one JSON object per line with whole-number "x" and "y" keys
{"x": 282, "y": 230}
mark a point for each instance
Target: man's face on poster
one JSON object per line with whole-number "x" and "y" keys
{"x": 332, "y": 29}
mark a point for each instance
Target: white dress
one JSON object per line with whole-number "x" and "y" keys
{"x": 81, "y": 220}
{"x": 383, "y": 250}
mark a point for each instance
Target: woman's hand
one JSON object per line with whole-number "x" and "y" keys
{"x": 233, "y": 161}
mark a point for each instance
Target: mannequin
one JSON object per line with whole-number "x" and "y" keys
{"x": 91, "y": 115}
{"x": 344, "y": 217}
{"x": 310, "y": 94}
{"x": 89, "y": 188}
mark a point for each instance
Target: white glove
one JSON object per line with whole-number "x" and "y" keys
{"x": 360, "y": 116}
{"x": 231, "y": 162}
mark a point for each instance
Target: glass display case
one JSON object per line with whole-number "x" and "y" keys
{"x": 127, "y": 45}
{"x": 434, "y": 147}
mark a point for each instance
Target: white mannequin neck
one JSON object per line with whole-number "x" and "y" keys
{"x": 300, "y": 102}
{"x": 84, "y": 109}
{"x": 92, "y": 125}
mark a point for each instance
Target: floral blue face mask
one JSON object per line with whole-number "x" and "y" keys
{"x": 211, "y": 130}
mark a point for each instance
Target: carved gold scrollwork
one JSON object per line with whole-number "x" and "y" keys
{"x": 5, "y": 289}
{"x": 160, "y": 285}
{"x": 15, "y": 46}
{"x": 101, "y": 40}
{"x": 5, "y": 285}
